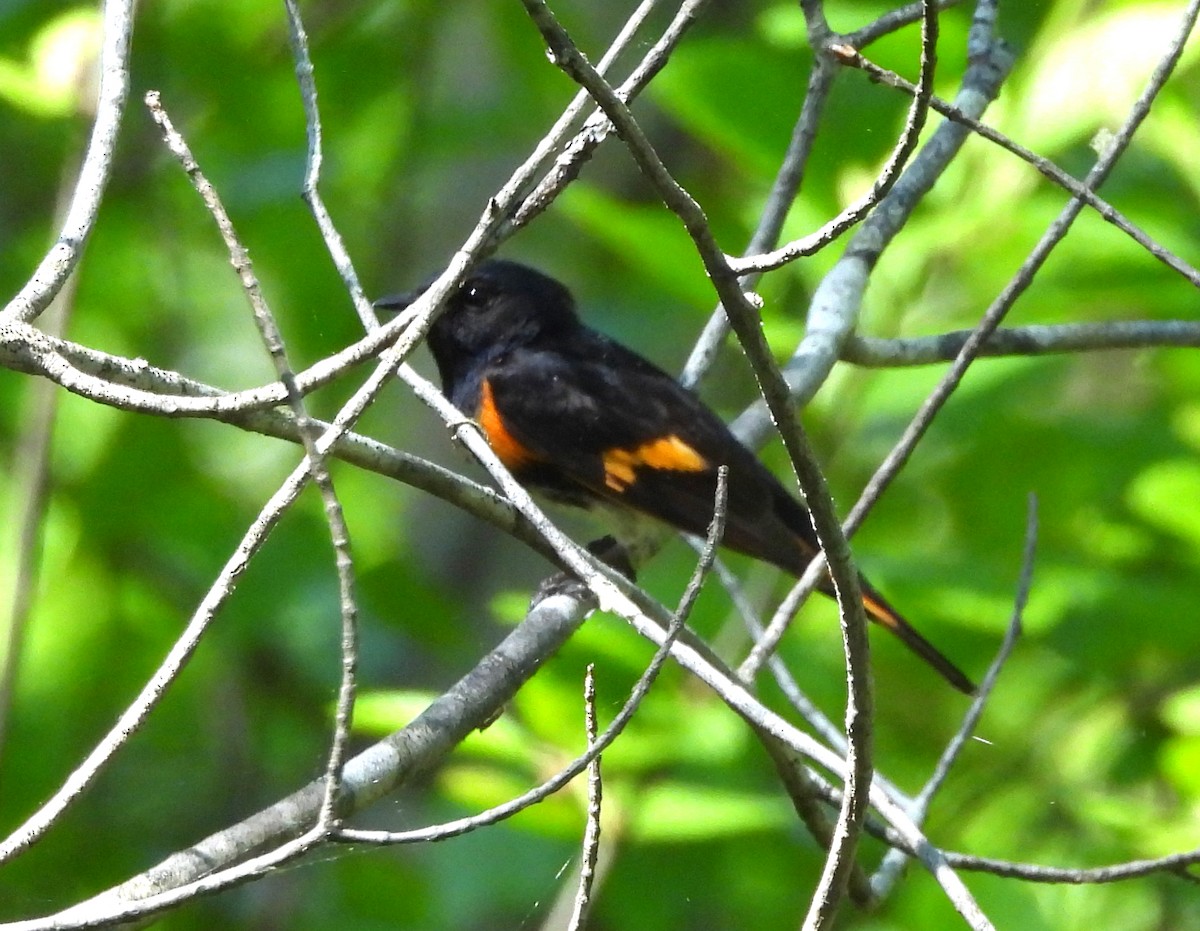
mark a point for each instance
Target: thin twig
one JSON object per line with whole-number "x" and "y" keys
{"x": 339, "y": 532}
{"x": 834, "y": 307}
{"x": 839, "y": 862}
{"x": 907, "y": 143}
{"x": 573, "y": 153}
{"x": 597, "y": 128}
{"x": 890, "y": 22}
{"x": 849, "y": 55}
{"x": 1177, "y": 863}
{"x": 804, "y": 706}
{"x": 54, "y": 269}
{"x": 803, "y": 788}
{"x": 784, "y": 190}
{"x": 595, "y": 797}
{"x": 99, "y": 376}
{"x": 893, "y": 863}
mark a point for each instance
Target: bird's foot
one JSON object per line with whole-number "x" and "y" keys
{"x": 608, "y": 551}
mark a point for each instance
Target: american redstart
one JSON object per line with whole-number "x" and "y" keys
{"x": 583, "y": 419}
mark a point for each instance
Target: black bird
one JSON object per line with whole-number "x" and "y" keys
{"x": 578, "y": 416}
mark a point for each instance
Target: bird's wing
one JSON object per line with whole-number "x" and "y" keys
{"x": 615, "y": 425}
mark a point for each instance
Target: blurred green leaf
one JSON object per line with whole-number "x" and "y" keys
{"x": 681, "y": 812}
{"x": 54, "y": 80}
{"x": 1163, "y": 496}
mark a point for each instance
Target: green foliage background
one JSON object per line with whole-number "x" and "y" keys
{"x": 1091, "y": 743}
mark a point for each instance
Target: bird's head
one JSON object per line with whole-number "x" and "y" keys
{"x": 501, "y": 305}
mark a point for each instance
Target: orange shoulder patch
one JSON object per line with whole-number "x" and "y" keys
{"x": 506, "y": 446}
{"x": 669, "y": 453}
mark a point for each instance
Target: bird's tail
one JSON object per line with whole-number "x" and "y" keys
{"x": 884, "y": 614}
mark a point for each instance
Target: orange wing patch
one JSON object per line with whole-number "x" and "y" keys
{"x": 669, "y": 453}
{"x": 506, "y": 446}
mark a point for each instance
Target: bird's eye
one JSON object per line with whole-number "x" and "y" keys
{"x": 475, "y": 294}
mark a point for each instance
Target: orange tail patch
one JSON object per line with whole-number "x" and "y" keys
{"x": 883, "y": 614}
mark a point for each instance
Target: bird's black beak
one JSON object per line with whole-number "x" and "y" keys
{"x": 394, "y": 303}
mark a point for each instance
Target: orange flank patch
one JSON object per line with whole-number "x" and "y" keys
{"x": 507, "y": 448}
{"x": 669, "y": 453}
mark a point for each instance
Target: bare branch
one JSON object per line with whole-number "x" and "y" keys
{"x": 572, "y": 156}
{"x": 597, "y": 128}
{"x": 890, "y": 22}
{"x": 591, "y": 834}
{"x": 318, "y": 466}
{"x": 839, "y": 862}
{"x": 850, "y": 56}
{"x": 1177, "y": 863}
{"x": 834, "y": 307}
{"x": 888, "y": 175}
{"x": 1023, "y": 341}
{"x": 889, "y": 870}
{"x": 805, "y": 791}
{"x": 597, "y": 746}
{"x": 318, "y": 470}
{"x": 53, "y": 271}
{"x": 784, "y": 191}
{"x": 99, "y": 376}
{"x": 833, "y": 736}
{"x": 1020, "y": 281}
{"x": 368, "y": 777}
